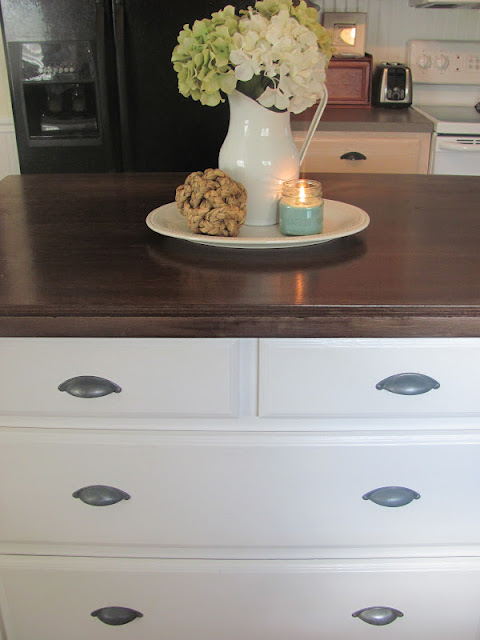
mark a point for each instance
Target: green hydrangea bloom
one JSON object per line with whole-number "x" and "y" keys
{"x": 269, "y": 8}
{"x": 201, "y": 58}
{"x": 307, "y": 16}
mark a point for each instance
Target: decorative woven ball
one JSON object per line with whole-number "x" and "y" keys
{"x": 213, "y": 203}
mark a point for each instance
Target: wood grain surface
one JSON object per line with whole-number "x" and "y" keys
{"x": 77, "y": 259}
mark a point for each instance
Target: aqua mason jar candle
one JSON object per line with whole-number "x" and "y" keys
{"x": 301, "y": 208}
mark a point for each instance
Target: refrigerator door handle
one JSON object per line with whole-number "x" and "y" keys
{"x": 105, "y": 130}
{"x": 100, "y": 43}
{"x": 118, "y": 10}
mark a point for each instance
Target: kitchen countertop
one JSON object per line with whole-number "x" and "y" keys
{"x": 77, "y": 259}
{"x": 374, "y": 119}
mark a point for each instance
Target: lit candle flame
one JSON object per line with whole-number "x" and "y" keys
{"x": 301, "y": 195}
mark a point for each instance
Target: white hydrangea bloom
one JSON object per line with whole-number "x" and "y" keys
{"x": 286, "y": 52}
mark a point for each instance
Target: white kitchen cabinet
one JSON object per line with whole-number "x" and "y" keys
{"x": 262, "y": 489}
{"x": 8, "y": 146}
{"x": 366, "y": 152}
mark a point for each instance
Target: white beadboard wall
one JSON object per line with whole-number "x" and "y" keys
{"x": 391, "y": 23}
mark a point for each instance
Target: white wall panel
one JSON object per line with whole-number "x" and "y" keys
{"x": 8, "y": 148}
{"x": 5, "y": 106}
{"x": 391, "y": 23}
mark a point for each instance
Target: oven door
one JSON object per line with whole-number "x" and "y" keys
{"x": 456, "y": 155}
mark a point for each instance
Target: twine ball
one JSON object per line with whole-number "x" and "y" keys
{"x": 213, "y": 203}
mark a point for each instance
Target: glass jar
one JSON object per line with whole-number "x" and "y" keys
{"x": 301, "y": 208}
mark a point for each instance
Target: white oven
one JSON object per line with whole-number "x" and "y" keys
{"x": 458, "y": 155}
{"x": 446, "y": 77}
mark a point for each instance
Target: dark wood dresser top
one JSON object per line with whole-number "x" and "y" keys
{"x": 77, "y": 259}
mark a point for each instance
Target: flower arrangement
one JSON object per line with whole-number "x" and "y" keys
{"x": 275, "y": 53}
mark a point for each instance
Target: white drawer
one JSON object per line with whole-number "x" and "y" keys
{"x": 241, "y": 495}
{"x": 156, "y": 377}
{"x": 53, "y": 599}
{"x": 339, "y": 377}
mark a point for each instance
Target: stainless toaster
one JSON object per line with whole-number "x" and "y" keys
{"x": 392, "y": 85}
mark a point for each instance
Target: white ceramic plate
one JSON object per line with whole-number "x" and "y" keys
{"x": 340, "y": 219}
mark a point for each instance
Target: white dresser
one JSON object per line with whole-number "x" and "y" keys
{"x": 239, "y": 489}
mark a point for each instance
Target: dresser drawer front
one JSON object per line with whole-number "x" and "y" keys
{"x": 53, "y": 599}
{"x": 245, "y": 494}
{"x": 339, "y": 377}
{"x": 156, "y": 377}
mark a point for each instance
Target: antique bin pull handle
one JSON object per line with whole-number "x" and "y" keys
{"x": 116, "y": 616}
{"x": 99, "y": 495}
{"x": 378, "y": 616}
{"x": 89, "y": 387}
{"x": 391, "y": 496}
{"x": 408, "y": 384}
{"x": 353, "y": 155}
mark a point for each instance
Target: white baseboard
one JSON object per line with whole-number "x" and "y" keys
{"x": 8, "y": 148}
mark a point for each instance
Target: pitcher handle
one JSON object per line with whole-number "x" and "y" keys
{"x": 313, "y": 125}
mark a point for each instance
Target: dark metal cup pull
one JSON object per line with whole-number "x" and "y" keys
{"x": 408, "y": 384}
{"x": 353, "y": 155}
{"x": 378, "y": 616}
{"x": 99, "y": 495}
{"x": 89, "y": 387}
{"x": 391, "y": 496}
{"x": 116, "y": 616}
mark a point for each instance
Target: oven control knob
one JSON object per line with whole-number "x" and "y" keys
{"x": 424, "y": 62}
{"x": 442, "y": 62}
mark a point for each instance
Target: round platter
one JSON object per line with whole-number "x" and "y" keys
{"x": 340, "y": 220}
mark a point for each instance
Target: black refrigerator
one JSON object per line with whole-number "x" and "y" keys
{"x": 93, "y": 88}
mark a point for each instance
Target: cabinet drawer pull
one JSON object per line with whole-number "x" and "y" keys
{"x": 99, "y": 495}
{"x": 391, "y": 496}
{"x": 408, "y": 384}
{"x": 353, "y": 155}
{"x": 378, "y": 616}
{"x": 89, "y": 387}
{"x": 116, "y": 615}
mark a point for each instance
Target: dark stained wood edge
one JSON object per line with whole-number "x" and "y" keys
{"x": 334, "y": 325}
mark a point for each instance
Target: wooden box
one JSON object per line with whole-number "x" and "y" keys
{"x": 349, "y": 81}
{"x": 349, "y": 84}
